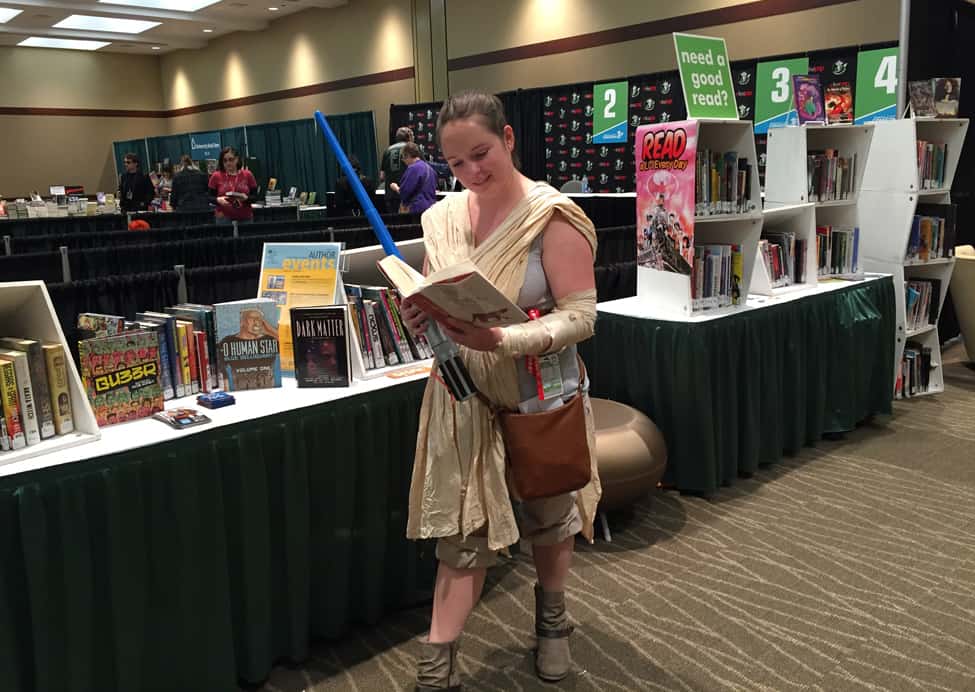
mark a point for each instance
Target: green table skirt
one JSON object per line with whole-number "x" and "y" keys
{"x": 193, "y": 564}
{"x": 737, "y": 392}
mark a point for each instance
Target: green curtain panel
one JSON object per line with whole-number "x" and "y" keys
{"x": 356, "y": 133}
{"x": 194, "y": 564}
{"x": 732, "y": 394}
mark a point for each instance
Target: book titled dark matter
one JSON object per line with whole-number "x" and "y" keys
{"x": 321, "y": 345}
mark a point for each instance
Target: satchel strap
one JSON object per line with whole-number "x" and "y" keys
{"x": 495, "y": 408}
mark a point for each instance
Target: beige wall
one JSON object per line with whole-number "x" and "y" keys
{"x": 482, "y": 27}
{"x": 39, "y": 150}
{"x": 317, "y": 45}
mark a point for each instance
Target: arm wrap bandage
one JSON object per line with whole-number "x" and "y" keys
{"x": 570, "y": 322}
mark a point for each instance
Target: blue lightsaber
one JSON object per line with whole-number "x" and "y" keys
{"x": 452, "y": 369}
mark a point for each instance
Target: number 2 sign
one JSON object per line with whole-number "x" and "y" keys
{"x": 610, "y": 112}
{"x": 876, "y": 94}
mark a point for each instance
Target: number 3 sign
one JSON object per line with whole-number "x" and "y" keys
{"x": 773, "y": 93}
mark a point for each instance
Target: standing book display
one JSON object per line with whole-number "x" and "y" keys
{"x": 822, "y": 166}
{"x": 698, "y": 217}
{"x": 908, "y": 231}
{"x": 248, "y": 351}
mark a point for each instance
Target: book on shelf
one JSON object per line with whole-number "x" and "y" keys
{"x": 459, "y": 291}
{"x": 248, "y": 350}
{"x": 94, "y": 324}
{"x": 121, "y": 376}
{"x": 10, "y": 400}
{"x": 377, "y": 330}
{"x": 829, "y": 176}
{"x": 922, "y": 98}
{"x": 25, "y": 394}
{"x": 914, "y": 376}
{"x": 717, "y": 276}
{"x": 807, "y": 96}
{"x": 839, "y": 104}
{"x": 947, "y": 91}
{"x": 931, "y": 160}
{"x": 837, "y": 251}
{"x": 784, "y": 257}
{"x": 38, "y": 381}
{"x": 57, "y": 382}
{"x": 943, "y": 218}
{"x": 722, "y": 182}
{"x": 921, "y": 300}
{"x": 321, "y": 342}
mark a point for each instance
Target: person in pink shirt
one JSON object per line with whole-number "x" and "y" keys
{"x": 232, "y": 189}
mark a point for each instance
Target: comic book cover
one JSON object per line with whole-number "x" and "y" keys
{"x": 839, "y": 104}
{"x": 808, "y": 96}
{"x": 946, "y": 93}
{"x": 298, "y": 275}
{"x": 321, "y": 346}
{"x": 666, "y": 166}
{"x": 922, "y": 98}
{"x": 248, "y": 350}
{"x": 121, "y": 374}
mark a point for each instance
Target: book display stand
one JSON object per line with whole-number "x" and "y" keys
{"x": 671, "y": 291}
{"x": 801, "y": 220}
{"x": 794, "y": 176}
{"x": 893, "y": 189}
{"x": 26, "y": 311}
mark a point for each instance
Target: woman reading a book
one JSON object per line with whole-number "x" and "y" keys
{"x": 537, "y": 248}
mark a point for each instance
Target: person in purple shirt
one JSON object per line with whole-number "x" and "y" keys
{"x": 418, "y": 185}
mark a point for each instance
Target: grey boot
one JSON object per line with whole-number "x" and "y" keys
{"x": 552, "y": 659}
{"x": 436, "y": 667}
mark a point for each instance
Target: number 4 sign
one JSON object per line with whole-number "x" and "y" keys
{"x": 610, "y": 112}
{"x": 876, "y": 94}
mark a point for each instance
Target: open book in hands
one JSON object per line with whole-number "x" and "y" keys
{"x": 459, "y": 291}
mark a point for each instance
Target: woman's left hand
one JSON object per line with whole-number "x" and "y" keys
{"x": 470, "y": 335}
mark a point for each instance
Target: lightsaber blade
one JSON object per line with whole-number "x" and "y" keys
{"x": 453, "y": 372}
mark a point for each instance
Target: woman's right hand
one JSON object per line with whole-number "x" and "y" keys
{"x": 413, "y": 317}
{"x": 223, "y": 201}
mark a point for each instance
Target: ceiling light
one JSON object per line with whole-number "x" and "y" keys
{"x": 208, "y": 31}
{"x": 156, "y": 48}
{"x": 113, "y": 24}
{"x": 272, "y": 9}
{"x": 178, "y": 5}
{"x": 69, "y": 43}
{"x": 8, "y": 13}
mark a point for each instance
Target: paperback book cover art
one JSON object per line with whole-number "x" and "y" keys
{"x": 946, "y": 93}
{"x": 665, "y": 176}
{"x": 94, "y": 324}
{"x": 181, "y": 418}
{"x": 298, "y": 275}
{"x": 922, "y": 98}
{"x": 808, "y": 96}
{"x": 839, "y": 104}
{"x": 122, "y": 377}
{"x": 248, "y": 350}
{"x": 321, "y": 343}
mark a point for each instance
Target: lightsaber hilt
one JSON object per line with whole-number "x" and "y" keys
{"x": 453, "y": 372}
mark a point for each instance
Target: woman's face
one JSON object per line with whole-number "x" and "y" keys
{"x": 478, "y": 157}
{"x": 230, "y": 161}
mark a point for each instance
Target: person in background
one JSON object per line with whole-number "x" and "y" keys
{"x": 232, "y": 189}
{"x": 163, "y": 185}
{"x": 417, "y": 187}
{"x": 391, "y": 168}
{"x": 189, "y": 187}
{"x": 346, "y": 203}
{"x": 135, "y": 190}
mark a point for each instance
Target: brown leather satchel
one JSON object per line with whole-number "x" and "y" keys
{"x": 548, "y": 451}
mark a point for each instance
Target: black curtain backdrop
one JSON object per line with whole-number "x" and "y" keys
{"x": 524, "y": 111}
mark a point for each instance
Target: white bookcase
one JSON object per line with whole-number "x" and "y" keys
{"x": 672, "y": 291}
{"x": 787, "y": 179}
{"x": 26, "y": 312}
{"x": 800, "y": 219}
{"x": 892, "y": 189}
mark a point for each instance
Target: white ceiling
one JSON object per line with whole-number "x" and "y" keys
{"x": 177, "y": 29}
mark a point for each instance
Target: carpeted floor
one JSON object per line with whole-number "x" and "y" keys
{"x": 848, "y": 567}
